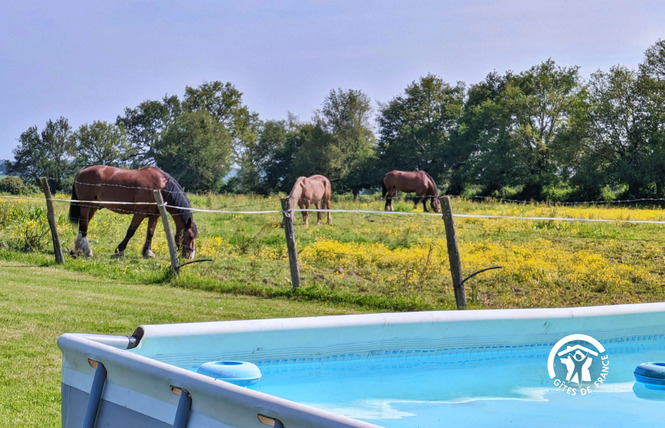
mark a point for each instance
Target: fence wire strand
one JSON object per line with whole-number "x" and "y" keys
{"x": 347, "y": 211}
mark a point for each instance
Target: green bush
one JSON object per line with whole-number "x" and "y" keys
{"x": 505, "y": 193}
{"x": 14, "y": 186}
{"x": 557, "y": 193}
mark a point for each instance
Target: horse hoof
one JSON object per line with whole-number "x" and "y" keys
{"x": 148, "y": 254}
{"x": 118, "y": 255}
{"x": 80, "y": 252}
{"x": 84, "y": 253}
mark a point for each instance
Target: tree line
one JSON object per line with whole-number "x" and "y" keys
{"x": 543, "y": 134}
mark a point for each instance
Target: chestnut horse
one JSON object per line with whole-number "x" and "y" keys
{"x": 315, "y": 190}
{"x": 109, "y": 187}
{"x": 418, "y": 182}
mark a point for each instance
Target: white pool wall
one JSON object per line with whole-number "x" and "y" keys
{"x": 356, "y": 335}
{"x": 138, "y": 392}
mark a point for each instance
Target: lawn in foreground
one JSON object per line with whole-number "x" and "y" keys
{"x": 38, "y": 304}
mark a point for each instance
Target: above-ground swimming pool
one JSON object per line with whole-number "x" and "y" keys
{"x": 522, "y": 368}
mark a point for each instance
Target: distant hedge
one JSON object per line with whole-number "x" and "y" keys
{"x": 14, "y": 186}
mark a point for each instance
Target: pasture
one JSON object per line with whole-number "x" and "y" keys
{"x": 376, "y": 260}
{"x": 39, "y": 303}
{"x": 365, "y": 261}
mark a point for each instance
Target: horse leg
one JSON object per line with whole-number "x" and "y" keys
{"x": 389, "y": 200}
{"x": 424, "y": 199}
{"x": 327, "y": 206}
{"x": 81, "y": 245}
{"x": 300, "y": 207}
{"x": 319, "y": 214}
{"x": 136, "y": 222}
{"x": 305, "y": 214}
{"x": 147, "y": 252}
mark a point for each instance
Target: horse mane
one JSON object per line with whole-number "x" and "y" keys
{"x": 175, "y": 195}
{"x": 296, "y": 193}
{"x": 436, "y": 191}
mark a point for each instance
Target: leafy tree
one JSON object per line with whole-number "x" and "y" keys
{"x": 653, "y": 65}
{"x": 609, "y": 154}
{"x": 196, "y": 150}
{"x": 286, "y": 138}
{"x": 482, "y": 147}
{"x": 416, "y": 128}
{"x": 515, "y": 125}
{"x": 651, "y": 88}
{"x": 102, "y": 143}
{"x": 336, "y": 144}
{"x": 224, "y": 102}
{"x": 626, "y": 145}
{"x": 345, "y": 117}
{"x": 316, "y": 153}
{"x": 548, "y": 95}
{"x": 144, "y": 126}
{"x": 261, "y": 157}
{"x": 49, "y": 153}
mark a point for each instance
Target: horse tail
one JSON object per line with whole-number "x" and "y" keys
{"x": 296, "y": 193}
{"x": 328, "y": 189}
{"x": 74, "y": 208}
{"x": 327, "y": 192}
{"x": 384, "y": 190}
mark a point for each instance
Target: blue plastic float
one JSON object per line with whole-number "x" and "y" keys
{"x": 652, "y": 375}
{"x": 240, "y": 373}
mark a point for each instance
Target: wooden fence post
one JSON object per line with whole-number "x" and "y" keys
{"x": 169, "y": 232}
{"x": 287, "y": 216}
{"x": 50, "y": 214}
{"x": 453, "y": 253}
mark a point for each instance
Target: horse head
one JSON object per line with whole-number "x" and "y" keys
{"x": 434, "y": 192}
{"x": 185, "y": 238}
{"x": 436, "y": 204}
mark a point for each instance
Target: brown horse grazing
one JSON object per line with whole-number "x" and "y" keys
{"x": 419, "y": 182}
{"x": 127, "y": 191}
{"x": 315, "y": 190}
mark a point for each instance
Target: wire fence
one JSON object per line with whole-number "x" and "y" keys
{"x": 401, "y": 256}
{"x": 362, "y": 211}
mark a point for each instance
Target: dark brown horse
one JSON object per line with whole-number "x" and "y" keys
{"x": 418, "y": 182}
{"x": 127, "y": 191}
{"x": 315, "y": 190}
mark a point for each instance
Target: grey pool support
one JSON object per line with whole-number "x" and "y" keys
{"x": 182, "y": 413}
{"x": 95, "y": 395}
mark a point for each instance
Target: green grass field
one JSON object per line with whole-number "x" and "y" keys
{"x": 39, "y": 303}
{"x": 363, "y": 262}
{"x": 377, "y": 261}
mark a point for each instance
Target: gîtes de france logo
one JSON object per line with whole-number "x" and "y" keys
{"x": 578, "y": 364}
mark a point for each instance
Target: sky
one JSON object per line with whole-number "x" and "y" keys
{"x": 89, "y": 60}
